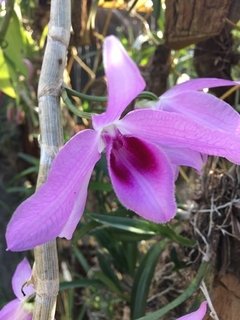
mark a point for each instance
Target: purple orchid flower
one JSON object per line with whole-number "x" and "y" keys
{"x": 143, "y": 150}
{"x": 196, "y": 315}
{"x": 15, "y": 309}
{"x": 199, "y": 107}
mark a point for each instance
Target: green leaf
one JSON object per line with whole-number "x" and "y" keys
{"x": 142, "y": 281}
{"x": 168, "y": 232}
{"x": 28, "y": 158}
{"x": 105, "y": 265}
{"x": 126, "y": 236}
{"x": 24, "y": 173}
{"x": 122, "y": 223}
{"x": 83, "y": 229}
{"x": 5, "y": 80}
{"x": 43, "y": 37}
{"x": 26, "y": 192}
{"x": 81, "y": 259}
{"x": 141, "y": 227}
{"x": 194, "y": 285}
{"x": 100, "y": 186}
{"x": 115, "y": 248}
{"x": 82, "y": 312}
{"x": 80, "y": 283}
{"x": 132, "y": 254}
{"x": 109, "y": 284}
{"x": 15, "y": 50}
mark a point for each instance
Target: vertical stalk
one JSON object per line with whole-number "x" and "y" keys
{"x": 46, "y": 275}
{"x": 6, "y": 20}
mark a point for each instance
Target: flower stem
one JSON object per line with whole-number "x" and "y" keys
{"x": 143, "y": 95}
{"x": 73, "y": 108}
{"x": 148, "y": 95}
{"x": 85, "y": 96}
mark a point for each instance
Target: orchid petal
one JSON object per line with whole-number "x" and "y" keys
{"x": 175, "y": 170}
{"x": 176, "y": 130}
{"x": 142, "y": 178}
{"x": 185, "y": 157}
{"x": 203, "y": 108}
{"x": 196, "y": 315}
{"x": 21, "y": 275}
{"x": 123, "y": 79}
{"x": 43, "y": 216}
{"x": 14, "y": 311}
{"x": 200, "y": 84}
{"x": 78, "y": 208}
{"x": 9, "y": 310}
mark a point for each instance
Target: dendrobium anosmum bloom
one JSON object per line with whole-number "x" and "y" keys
{"x": 17, "y": 309}
{"x": 143, "y": 150}
{"x": 196, "y": 315}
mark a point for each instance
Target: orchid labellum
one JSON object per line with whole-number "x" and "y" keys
{"x": 143, "y": 150}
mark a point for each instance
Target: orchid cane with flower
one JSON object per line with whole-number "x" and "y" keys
{"x": 17, "y": 309}
{"x": 143, "y": 150}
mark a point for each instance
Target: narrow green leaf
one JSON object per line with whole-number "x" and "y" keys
{"x": 131, "y": 253}
{"x": 141, "y": 227}
{"x": 168, "y": 232}
{"x": 142, "y": 281}
{"x": 80, "y": 283}
{"x": 81, "y": 259}
{"x": 126, "y": 236}
{"x": 110, "y": 284}
{"x": 122, "y": 223}
{"x": 83, "y": 229}
{"x": 25, "y": 173}
{"x": 115, "y": 248}
{"x": 105, "y": 265}
{"x": 82, "y": 313}
{"x": 25, "y": 191}
{"x": 194, "y": 285}
{"x": 28, "y": 158}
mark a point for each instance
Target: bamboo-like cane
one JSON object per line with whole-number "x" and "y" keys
{"x": 46, "y": 274}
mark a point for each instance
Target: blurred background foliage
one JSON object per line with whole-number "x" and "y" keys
{"x": 117, "y": 266}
